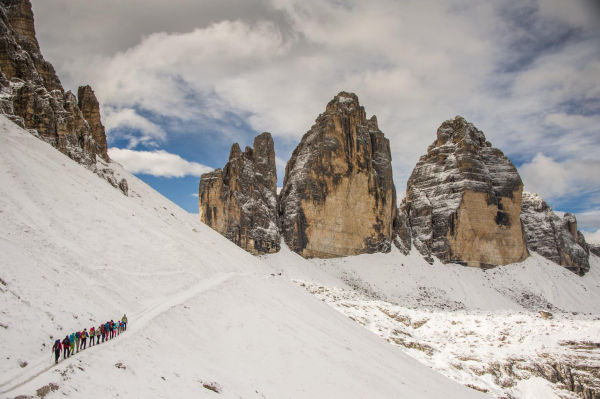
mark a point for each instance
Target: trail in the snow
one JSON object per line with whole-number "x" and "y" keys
{"x": 140, "y": 320}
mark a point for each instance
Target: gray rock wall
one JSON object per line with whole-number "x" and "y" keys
{"x": 240, "y": 200}
{"x": 463, "y": 200}
{"x": 552, "y": 237}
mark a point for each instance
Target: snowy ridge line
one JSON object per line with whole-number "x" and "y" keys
{"x": 141, "y": 319}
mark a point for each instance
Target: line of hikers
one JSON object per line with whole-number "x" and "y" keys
{"x": 78, "y": 340}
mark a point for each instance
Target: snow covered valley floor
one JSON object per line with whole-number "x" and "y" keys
{"x": 206, "y": 316}
{"x": 509, "y": 354}
{"x": 528, "y": 330}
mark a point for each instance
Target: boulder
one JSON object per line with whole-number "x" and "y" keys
{"x": 552, "y": 237}
{"x": 240, "y": 200}
{"x": 463, "y": 200}
{"x": 338, "y": 196}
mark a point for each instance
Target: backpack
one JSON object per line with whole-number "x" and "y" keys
{"x": 66, "y": 342}
{"x": 77, "y": 335}
{"x": 92, "y": 332}
{"x": 56, "y": 344}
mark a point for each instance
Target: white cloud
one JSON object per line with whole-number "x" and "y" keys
{"x": 147, "y": 132}
{"x": 280, "y": 163}
{"x": 585, "y": 15}
{"x": 157, "y": 163}
{"x": 526, "y": 73}
{"x": 573, "y": 122}
{"x": 589, "y": 222}
{"x": 592, "y": 238}
{"x": 552, "y": 179}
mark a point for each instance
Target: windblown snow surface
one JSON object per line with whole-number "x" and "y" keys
{"x": 74, "y": 252}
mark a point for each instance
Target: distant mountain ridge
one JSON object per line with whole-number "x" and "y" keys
{"x": 464, "y": 200}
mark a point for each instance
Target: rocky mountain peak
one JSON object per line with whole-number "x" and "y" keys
{"x": 240, "y": 201}
{"x": 235, "y": 152}
{"x": 464, "y": 200}
{"x": 343, "y": 102}
{"x": 90, "y": 108}
{"x": 338, "y": 196}
{"x": 20, "y": 17}
{"x": 264, "y": 159}
{"x": 454, "y": 131}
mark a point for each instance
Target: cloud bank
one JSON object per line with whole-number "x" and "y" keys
{"x": 526, "y": 72}
{"x": 156, "y": 163}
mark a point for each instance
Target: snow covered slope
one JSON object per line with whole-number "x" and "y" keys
{"x": 75, "y": 252}
{"x": 482, "y": 328}
{"x": 534, "y": 284}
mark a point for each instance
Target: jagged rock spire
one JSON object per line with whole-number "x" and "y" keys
{"x": 240, "y": 201}
{"x": 338, "y": 196}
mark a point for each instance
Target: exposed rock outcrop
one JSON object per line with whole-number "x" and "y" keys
{"x": 20, "y": 55}
{"x": 463, "y": 200}
{"x": 338, "y": 196}
{"x": 90, "y": 108}
{"x": 240, "y": 201}
{"x": 32, "y": 96}
{"x": 552, "y": 237}
{"x": 402, "y": 232}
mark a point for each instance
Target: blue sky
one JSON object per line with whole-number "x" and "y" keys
{"x": 180, "y": 81}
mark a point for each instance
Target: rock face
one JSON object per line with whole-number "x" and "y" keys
{"x": 32, "y": 96}
{"x": 338, "y": 197}
{"x": 463, "y": 200}
{"x": 552, "y": 237}
{"x": 402, "y": 233}
{"x": 240, "y": 201}
{"x": 88, "y": 104}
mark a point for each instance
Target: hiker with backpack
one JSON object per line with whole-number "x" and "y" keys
{"x": 92, "y": 334}
{"x": 107, "y": 329}
{"x": 124, "y": 320}
{"x": 99, "y": 333}
{"x": 103, "y": 331}
{"x": 84, "y": 337}
{"x": 66, "y": 345}
{"x": 72, "y": 345}
{"x": 56, "y": 348}
{"x": 77, "y": 340}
